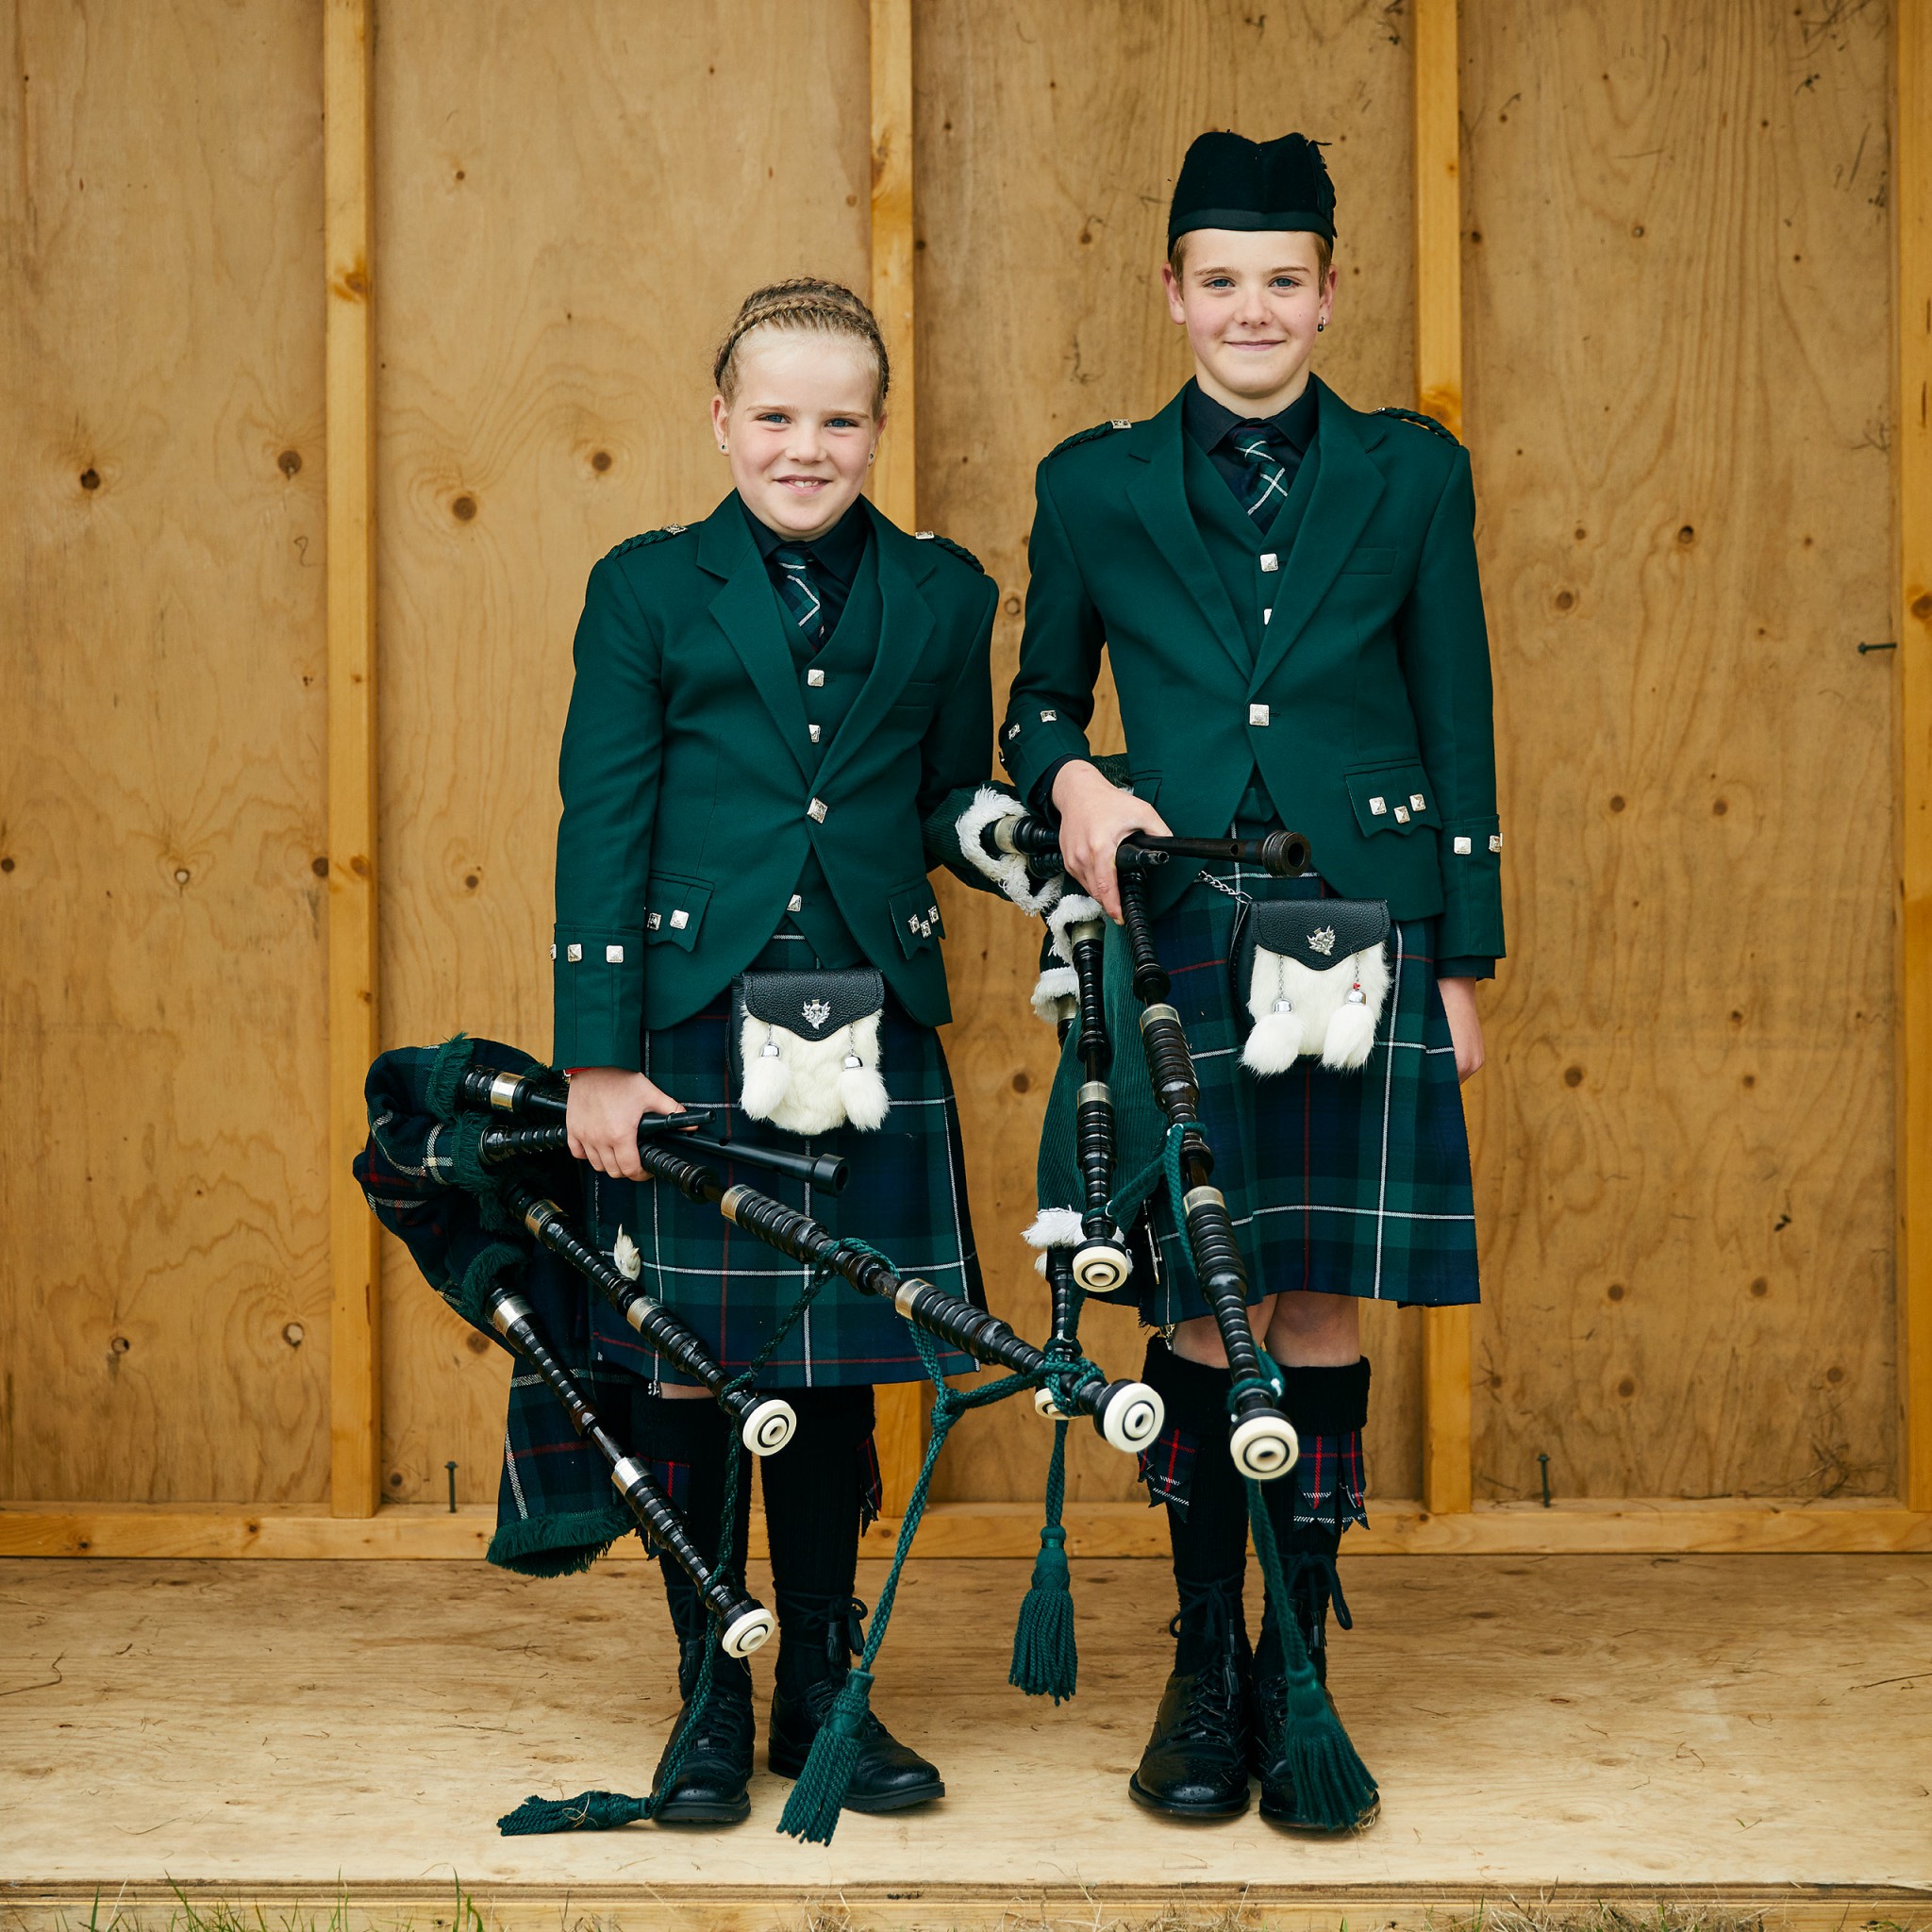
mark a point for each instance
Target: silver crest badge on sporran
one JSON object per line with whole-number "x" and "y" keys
{"x": 816, "y": 1013}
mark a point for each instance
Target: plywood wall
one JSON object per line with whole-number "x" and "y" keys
{"x": 1677, "y": 311}
{"x": 572, "y": 200}
{"x": 1048, "y": 135}
{"x": 1678, "y": 288}
{"x": 164, "y": 1292}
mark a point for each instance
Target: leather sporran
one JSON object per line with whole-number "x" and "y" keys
{"x": 805, "y": 1048}
{"x": 1313, "y": 974}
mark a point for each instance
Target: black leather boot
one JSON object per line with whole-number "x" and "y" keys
{"x": 1314, "y": 1587}
{"x": 818, "y": 1638}
{"x": 1196, "y": 1762}
{"x": 711, "y": 1784}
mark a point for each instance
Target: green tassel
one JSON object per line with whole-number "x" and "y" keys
{"x": 811, "y": 1812}
{"x": 1333, "y": 1789}
{"x": 452, "y": 1062}
{"x": 586, "y": 1812}
{"x": 1046, "y": 1661}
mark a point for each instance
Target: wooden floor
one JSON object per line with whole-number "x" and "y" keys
{"x": 1755, "y": 1730}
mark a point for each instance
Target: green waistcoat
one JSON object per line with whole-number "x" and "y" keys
{"x": 1248, "y": 560}
{"x": 1365, "y": 704}
{"x": 696, "y": 803}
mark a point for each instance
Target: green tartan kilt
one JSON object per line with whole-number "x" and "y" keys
{"x": 1337, "y": 1183}
{"x": 906, "y": 1197}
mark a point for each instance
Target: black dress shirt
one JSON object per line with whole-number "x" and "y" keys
{"x": 1212, "y": 425}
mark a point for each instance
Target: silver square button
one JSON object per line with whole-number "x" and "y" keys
{"x": 572, "y": 954}
{"x": 814, "y": 730}
{"x": 613, "y": 956}
{"x": 795, "y": 903}
{"x": 653, "y": 921}
{"x": 1402, "y": 814}
{"x": 816, "y": 809}
{"x": 1377, "y": 807}
{"x": 1463, "y": 848}
{"x": 679, "y": 920}
{"x": 1495, "y": 842}
{"x": 1269, "y": 561}
{"x": 815, "y": 679}
{"x": 1258, "y": 714}
{"x": 1415, "y": 802}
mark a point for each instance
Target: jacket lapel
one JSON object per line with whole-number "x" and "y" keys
{"x": 1159, "y": 496}
{"x": 905, "y": 626}
{"x": 1347, "y": 489}
{"x": 746, "y": 610}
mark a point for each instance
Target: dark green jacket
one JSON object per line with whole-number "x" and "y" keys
{"x": 692, "y": 792}
{"x": 1369, "y": 689}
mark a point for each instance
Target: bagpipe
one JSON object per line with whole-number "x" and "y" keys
{"x": 466, "y": 1162}
{"x": 1262, "y": 1439}
{"x": 1088, "y": 1251}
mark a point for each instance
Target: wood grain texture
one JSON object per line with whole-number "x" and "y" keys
{"x": 1447, "y": 1403}
{"x": 1677, "y": 270}
{"x": 1048, "y": 137}
{"x": 1621, "y": 1722}
{"x": 164, "y": 1296}
{"x": 428, "y": 1532}
{"x": 572, "y": 200}
{"x": 1912, "y": 121}
{"x": 899, "y": 1433}
{"x": 354, "y": 1252}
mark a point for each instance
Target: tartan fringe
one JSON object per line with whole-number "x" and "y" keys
{"x": 559, "y": 1545}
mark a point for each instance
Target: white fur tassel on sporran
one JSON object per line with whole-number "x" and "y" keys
{"x": 812, "y": 1086}
{"x": 1331, "y": 1015}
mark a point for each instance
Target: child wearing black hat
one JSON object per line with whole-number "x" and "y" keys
{"x": 1287, "y": 589}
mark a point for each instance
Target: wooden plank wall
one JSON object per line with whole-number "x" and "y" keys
{"x": 571, "y": 202}
{"x": 1676, "y": 317}
{"x": 1677, "y": 276}
{"x": 165, "y": 1297}
{"x": 1040, "y": 313}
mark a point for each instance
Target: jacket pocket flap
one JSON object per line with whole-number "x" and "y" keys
{"x": 675, "y": 910}
{"x": 916, "y": 917}
{"x": 1392, "y": 797}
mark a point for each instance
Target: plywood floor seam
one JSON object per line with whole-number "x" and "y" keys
{"x": 1730, "y": 1723}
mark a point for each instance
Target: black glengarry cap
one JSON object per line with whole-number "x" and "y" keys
{"x": 1228, "y": 181}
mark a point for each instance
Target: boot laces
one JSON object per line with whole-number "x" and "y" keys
{"x": 1207, "y": 1616}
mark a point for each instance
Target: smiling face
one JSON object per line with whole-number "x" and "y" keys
{"x": 1250, "y": 304}
{"x": 799, "y": 428}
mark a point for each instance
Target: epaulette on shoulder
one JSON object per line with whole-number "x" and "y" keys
{"x": 1080, "y": 435}
{"x": 645, "y": 537}
{"x": 959, "y": 550}
{"x": 1423, "y": 422}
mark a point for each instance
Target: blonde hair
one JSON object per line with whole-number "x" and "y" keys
{"x": 810, "y": 305}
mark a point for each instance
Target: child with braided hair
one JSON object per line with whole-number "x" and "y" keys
{"x": 768, "y": 703}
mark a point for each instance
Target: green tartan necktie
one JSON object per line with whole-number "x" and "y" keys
{"x": 1266, "y": 488}
{"x": 801, "y": 598}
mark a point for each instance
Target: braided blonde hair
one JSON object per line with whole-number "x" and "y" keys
{"x": 807, "y": 305}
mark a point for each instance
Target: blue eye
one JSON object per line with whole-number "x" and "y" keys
{"x": 841, "y": 423}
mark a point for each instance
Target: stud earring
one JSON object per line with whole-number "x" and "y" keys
{"x": 1319, "y": 326}
{"x": 869, "y": 455}
{"x": 724, "y": 448}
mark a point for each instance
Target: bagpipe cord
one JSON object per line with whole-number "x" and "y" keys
{"x": 606, "y": 1810}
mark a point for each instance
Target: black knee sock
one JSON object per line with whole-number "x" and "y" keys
{"x": 814, "y": 1499}
{"x": 1310, "y": 1507}
{"x": 1208, "y": 1514}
